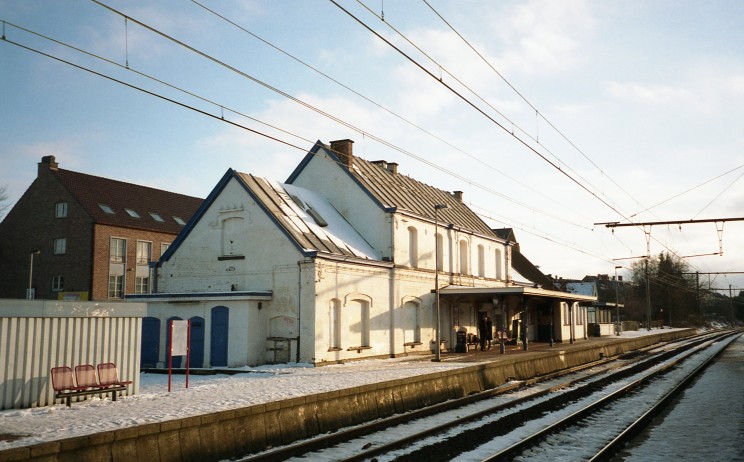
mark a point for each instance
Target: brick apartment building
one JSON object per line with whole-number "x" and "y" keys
{"x": 89, "y": 238}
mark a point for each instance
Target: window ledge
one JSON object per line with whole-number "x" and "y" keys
{"x": 359, "y": 348}
{"x": 335, "y": 349}
{"x": 412, "y": 344}
{"x": 231, "y": 257}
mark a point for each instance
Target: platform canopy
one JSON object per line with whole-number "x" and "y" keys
{"x": 483, "y": 293}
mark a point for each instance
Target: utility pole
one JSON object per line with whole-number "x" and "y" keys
{"x": 648, "y": 299}
{"x": 731, "y": 305}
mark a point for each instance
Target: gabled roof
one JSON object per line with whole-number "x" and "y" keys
{"x": 309, "y": 219}
{"x": 396, "y": 192}
{"x": 328, "y": 232}
{"x": 522, "y": 264}
{"x": 93, "y": 191}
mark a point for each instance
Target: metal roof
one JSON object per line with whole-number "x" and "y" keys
{"x": 395, "y": 190}
{"x": 515, "y": 290}
{"x": 308, "y": 218}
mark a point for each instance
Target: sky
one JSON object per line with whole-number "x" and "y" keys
{"x": 551, "y": 117}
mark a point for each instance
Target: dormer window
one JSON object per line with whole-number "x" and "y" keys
{"x": 157, "y": 217}
{"x": 132, "y": 213}
{"x": 319, "y": 220}
{"x": 106, "y": 209}
{"x": 180, "y": 221}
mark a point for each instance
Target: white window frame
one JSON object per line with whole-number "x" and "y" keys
{"x": 115, "y": 286}
{"x": 58, "y": 283}
{"x": 464, "y": 248}
{"x": 116, "y": 254}
{"x": 60, "y": 210}
{"x": 141, "y": 285}
{"x": 60, "y": 246}
{"x": 140, "y": 250}
{"x": 413, "y": 247}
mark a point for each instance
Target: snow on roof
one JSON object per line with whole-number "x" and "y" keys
{"x": 582, "y": 288}
{"x": 310, "y": 212}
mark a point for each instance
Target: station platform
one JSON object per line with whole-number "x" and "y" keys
{"x": 227, "y": 434}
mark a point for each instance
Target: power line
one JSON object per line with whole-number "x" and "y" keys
{"x": 328, "y": 115}
{"x": 471, "y": 104}
{"x": 532, "y": 106}
{"x": 686, "y": 191}
{"x": 375, "y": 103}
{"x": 478, "y": 109}
{"x": 196, "y": 109}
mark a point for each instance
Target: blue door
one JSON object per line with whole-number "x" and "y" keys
{"x": 196, "y": 342}
{"x": 176, "y": 359}
{"x": 218, "y": 338}
{"x": 150, "y": 351}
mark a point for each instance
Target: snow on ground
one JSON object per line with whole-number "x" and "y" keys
{"x": 207, "y": 393}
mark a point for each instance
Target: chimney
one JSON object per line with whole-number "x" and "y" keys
{"x": 47, "y": 163}
{"x": 343, "y": 150}
{"x": 458, "y": 196}
{"x": 392, "y": 168}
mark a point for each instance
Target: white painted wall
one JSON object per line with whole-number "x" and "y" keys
{"x": 195, "y": 266}
{"x": 325, "y": 176}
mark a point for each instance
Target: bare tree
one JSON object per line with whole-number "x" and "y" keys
{"x": 3, "y": 201}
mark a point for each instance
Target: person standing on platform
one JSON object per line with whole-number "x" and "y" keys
{"x": 488, "y": 327}
{"x": 482, "y": 331}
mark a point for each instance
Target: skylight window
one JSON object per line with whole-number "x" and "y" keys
{"x": 179, "y": 220}
{"x": 106, "y": 209}
{"x": 157, "y": 217}
{"x": 317, "y": 217}
{"x": 132, "y": 213}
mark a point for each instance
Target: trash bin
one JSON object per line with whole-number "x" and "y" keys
{"x": 461, "y": 345}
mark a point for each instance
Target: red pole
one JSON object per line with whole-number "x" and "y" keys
{"x": 170, "y": 353}
{"x": 188, "y": 350}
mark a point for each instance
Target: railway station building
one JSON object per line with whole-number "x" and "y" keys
{"x": 345, "y": 260}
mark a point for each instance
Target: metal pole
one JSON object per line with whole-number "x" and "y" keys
{"x": 29, "y": 296}
{"x": 648, "y": 299}
{"x": 502, "y": 346}
{"x": 731, "y": 304}
{"x": 617, "y": 304}
{"x": 438, "y": 346}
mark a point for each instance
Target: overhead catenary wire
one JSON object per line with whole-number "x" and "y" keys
{"x": 478, "y": 109}
{"x": 538, "y": 114}
{"x": 688, "y": 190}
{"x": 221, "y": 107}
{"x": 330, "y": 116}
{"x": 473, "y": 105}
{"x": 217, "y": 117}
{"x": 380, "y": 106}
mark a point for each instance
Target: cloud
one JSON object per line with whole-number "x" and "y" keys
{"x": 544, "y": 36}
{"x": 647, "y": 93}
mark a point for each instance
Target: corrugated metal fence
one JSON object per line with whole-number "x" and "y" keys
{"x": 38, "y": 335}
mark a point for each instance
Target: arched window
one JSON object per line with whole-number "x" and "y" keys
{"x": 411, "y": 323}
{"x": 232, "y": 241}
{"x": 335, "y": 324}
{"x": 358, "y": 316}
{"x": 464, "y": 257}
{"x": 412, "y": 247}
{"x": 481, "y": 261}
{"x": 499, "y": 264}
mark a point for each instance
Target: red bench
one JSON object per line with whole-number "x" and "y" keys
{"x": 85, "y": 382}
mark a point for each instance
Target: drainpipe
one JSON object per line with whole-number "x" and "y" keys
{"x": 299, "y": 307}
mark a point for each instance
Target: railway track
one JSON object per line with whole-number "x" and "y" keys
{"x": 523, "y": 420}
